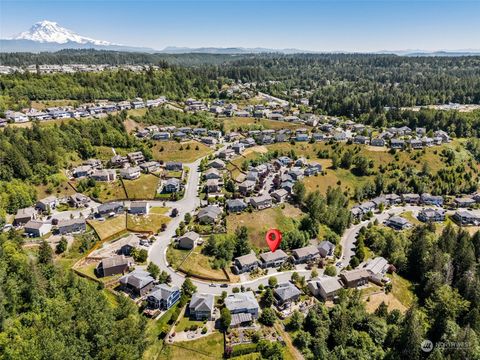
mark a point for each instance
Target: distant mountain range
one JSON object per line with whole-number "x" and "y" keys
{"x": 50, "y": 37}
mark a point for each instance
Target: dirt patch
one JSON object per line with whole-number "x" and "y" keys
{"x": 374, "y": 300}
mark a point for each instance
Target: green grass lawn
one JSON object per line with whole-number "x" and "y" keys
{"x": 258, "y": 222}
{"x": 151, "y": 222}
{"x": 109, "y": 227}
{"x": 206, "y": 348}
{"x": 185, "y": 323}
{"x": 89, "y": 270}
{"x": 199, "y": 265}
{"x": 176, "y": 256}
{"x": 186, "y": 152}
{"x": 109, "y": 191}
{"x": 143, "y": 188}
{"x": 402, "y": 289}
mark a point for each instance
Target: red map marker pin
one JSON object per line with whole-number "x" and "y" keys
{"x": 273, "y": 239}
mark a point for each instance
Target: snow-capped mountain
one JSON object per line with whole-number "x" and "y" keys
{"x": 50, "y": 32}
{"x": 50, "y": 36}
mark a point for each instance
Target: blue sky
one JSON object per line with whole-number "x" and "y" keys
{"x": 314, "y": 25}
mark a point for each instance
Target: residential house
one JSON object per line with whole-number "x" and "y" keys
{"x": 139, "y": 208}
{"x": 398, "y": 223}
{"x": 209, "y": 214}
{"x": 377, "y": 267}
{"x": 318, "y": 136}
{"x": 119, "y": 161}
{"x": 139, "y": 282}
{"x": 150, "y": 167}
{"x": 130, "y": 173}
{"x": 464, "y": 202}
{"x": 261, "y": 202}
{"x": 209, "y": 140}
{"x": 201, "y": 306}
{"x": 245, "y": 263}
{"x": 286, "y": 293}
{"x": 428, "y": 199}
{"x": 46, "y": 204}
{"x": 411, "y": 198}
{"x": 363, "y": 140}
{"x": 78, "y": 200}
{"x": 36, "y": 228}
{"x": 431, "y": 215}
{"x": 305, "y": 254}
{"x": 397, "y": 144}
{"x": 226, "y": 154}
{"x": 212, "y": 186}
{"x": 273, "y": 259}
{"x": 113, "y": 265}
{"x": 378, "y": 142}
{"x": 161, "y": 136}
{"x": 171, "y": 185}
{"x": 136, "y": 157}
{"x": 326, "y": 249}
{"x": 238, "y": 148}
{"x": 442, "y": 134}
{"x": 235, "y": 205}
{"x": 110, "y": 209}
{"x": 189, "y": 240}
{"x": 246, "y": 187}
{"x": 416, "y": 144}
{"x": 212, "y": 173}
{"x": 104, "y": 175}
{"x": 174, "y": 166}
{"x": 301, "y": 137}
{"x": 217, "y": 164}
{"x": 163, "y": 297}
{"x": 243, "y": 307}
{"x": 355, "y": 278}
{"x": 280, "y": 195}
{"x": 464, "y": 217}
{"x": 24, "y": 215}
{"x": 327, "y": 287}
{"x": 285, "y": 160}
{"x": 82, "y": 171}
{"x": 71, "y": 226}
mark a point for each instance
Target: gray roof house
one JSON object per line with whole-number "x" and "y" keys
{"x": 71, "y": 226}
{"x": 235, "y": 205}
{"x": 398, "y": 223}
{"x": 209, "y": 214}
{"x": 273, "y": 259}
{"x": 201, "y": 306}
{"x": 37, "y": 228}
{"x": 50, "y": 202}
{"x": 242, "y": 303}
{"x": 109, "y": 208}
{"x": 326, "y": 287}
{"x": 171, "y": 185}
{"x": 279, "y": 195}
{"x": 163, "y": 297}
{"x": 245, "y": 263}
{"x": 174, "y": 166}
{"x": 139, "y": 208}
{"x": 286, "y": 293}
{"x": 139, "y": 282}
{"x": 23, "y": 216}
{"x": 326, "y": 248}
{"x": 189, "y": 240}
{"x": 305, "y": 254}
{"x": 116, "y": 264}
{"x": 261, "y": 202}
{"x": 212, "y": 173}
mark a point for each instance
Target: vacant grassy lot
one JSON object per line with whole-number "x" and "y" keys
{"x": 107, "y": 191}
{"x": 176, "y": 256}
{"x": 186, "y": 152}
{"x": 236, "y": 123}
{"x": 109, "y": 227}
{"x": 58, "y": 187}
{"x": 402, "y": 289}
{"x": 143, "y": 188}
{"x": 258, "y": 222}
{"x": 206, "y": 348}
{"x": 199, "y": 265}
{"x": 151, "y": 222}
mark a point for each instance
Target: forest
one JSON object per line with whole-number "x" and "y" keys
{"x": 337, "y": 84}
{"x": 47, "y": 312}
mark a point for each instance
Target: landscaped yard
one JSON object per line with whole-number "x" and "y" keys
{"x": 259, "y": 222}
{"x": 143, "y": 188}
{"x": 151, "y": 222}
{"x": 206, "y": 348}
{"x": 186, "y": 152}
{"x": 109, "y": 227}
{"x": 185, "y": 323}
